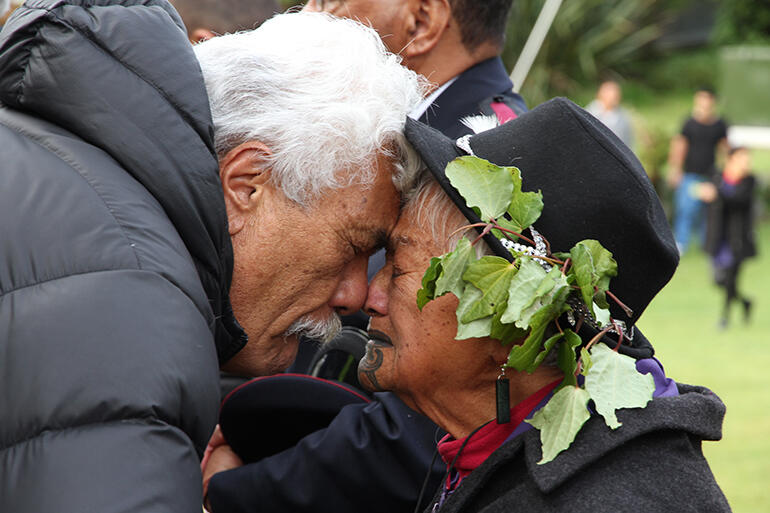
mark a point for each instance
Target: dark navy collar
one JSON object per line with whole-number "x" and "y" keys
{"x": 463, "y": 96}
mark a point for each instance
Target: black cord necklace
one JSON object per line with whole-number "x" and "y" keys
{"x": 449, "y": 469}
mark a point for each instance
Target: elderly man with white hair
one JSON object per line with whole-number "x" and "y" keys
{"x": 165, "y": 212}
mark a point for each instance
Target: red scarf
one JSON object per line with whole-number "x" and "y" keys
{"x": 487, "y": 439}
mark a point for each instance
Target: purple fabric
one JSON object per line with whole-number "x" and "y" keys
{"x": 723, "y": 257}
{"x": 526, "y": 426}
{"x": 446, "y": 492}
{"x": 664, "y": 387}
{"x": 727, "y": 189}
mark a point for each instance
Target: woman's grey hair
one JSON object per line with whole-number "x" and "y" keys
{"x": 5, "y": 5}
{"x": 427, "y": 203}
{"x": 321, "y": 92}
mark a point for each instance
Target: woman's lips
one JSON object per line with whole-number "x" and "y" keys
{"x": 379, "y": 338}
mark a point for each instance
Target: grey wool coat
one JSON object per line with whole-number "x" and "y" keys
{"x": 115, "y": 260}
{"x": 652, "y": 463}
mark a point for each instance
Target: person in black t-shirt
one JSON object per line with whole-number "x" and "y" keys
{"x": 692, "y": 162}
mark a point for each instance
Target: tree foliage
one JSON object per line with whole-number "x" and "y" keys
{"x": 743, "y": 21}
{"x": 589, "y": 40}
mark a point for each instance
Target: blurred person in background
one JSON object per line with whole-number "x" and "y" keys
{"x": 607, "y": 109}
{"x": 692, "y": 162}
{"x": 166, "y": 210}
{"x": 205, "y": 19}
{"x": 730, "y": 227}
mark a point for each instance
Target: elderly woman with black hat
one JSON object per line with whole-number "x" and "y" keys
{"x": 551, "y": 397}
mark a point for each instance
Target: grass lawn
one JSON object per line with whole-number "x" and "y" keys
{"x": 682, "y": 325}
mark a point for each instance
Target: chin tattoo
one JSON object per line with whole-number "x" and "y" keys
{"x": 369, "y": 366}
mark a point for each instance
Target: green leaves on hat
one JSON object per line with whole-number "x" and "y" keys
{"x": 525, "y": 207}
{"x": 488, "y": 187}
{"x": 519, "y": 302}
{"x": 593, "y": 267}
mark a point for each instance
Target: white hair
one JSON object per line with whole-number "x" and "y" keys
{"x": 5, "y": 5}
{"x": 321, "y": 92}
{"x": 430, "y": 207}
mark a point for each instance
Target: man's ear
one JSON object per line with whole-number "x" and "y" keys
{"x": 244, "y": 171}
{"x": 427, "y": 22}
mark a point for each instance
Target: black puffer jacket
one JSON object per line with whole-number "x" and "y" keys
{"x": 115, "y": 260}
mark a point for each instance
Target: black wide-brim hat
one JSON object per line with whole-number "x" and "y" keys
{"x": 270, "y": 414}
{"x": 593, "y": 188}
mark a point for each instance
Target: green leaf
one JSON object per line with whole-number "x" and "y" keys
{"x": 505, "y": 332}
{"x": 492, "y": 275}
{"x": 592, "y": 267}
{"x": 567, "y": 359}
{"x": 476, "y": 328}
{"x": 613, "y": 383}
{"x": 525, "y": 207}
{"x": 547, "y": 346}
{"x": 585, "y": 356}
{"x": 522, "y": 290}
{"x": 452, "y": 268}
{"x": 483, "y": 185}
{"x": 508, "y": 226}
{"x": 428, "y": 290}
{"x": 560, "y": 420}
{"x": 524, "y": 356}
{"x": 554, "y": 289}
{"x": 602, "y": 315}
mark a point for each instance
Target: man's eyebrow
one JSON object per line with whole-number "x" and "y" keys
{"x": 367, "y": 238}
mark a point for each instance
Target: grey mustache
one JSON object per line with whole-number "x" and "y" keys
{"x": 323, "y": 330}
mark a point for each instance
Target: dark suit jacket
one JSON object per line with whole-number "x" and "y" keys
{"x": 472, "y": 94}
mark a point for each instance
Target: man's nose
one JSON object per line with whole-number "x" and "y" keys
{"x": 377, "y": 298}
{"x": 350, "y": 294}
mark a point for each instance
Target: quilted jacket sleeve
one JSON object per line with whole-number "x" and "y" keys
{"x": 106, "y": 383}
